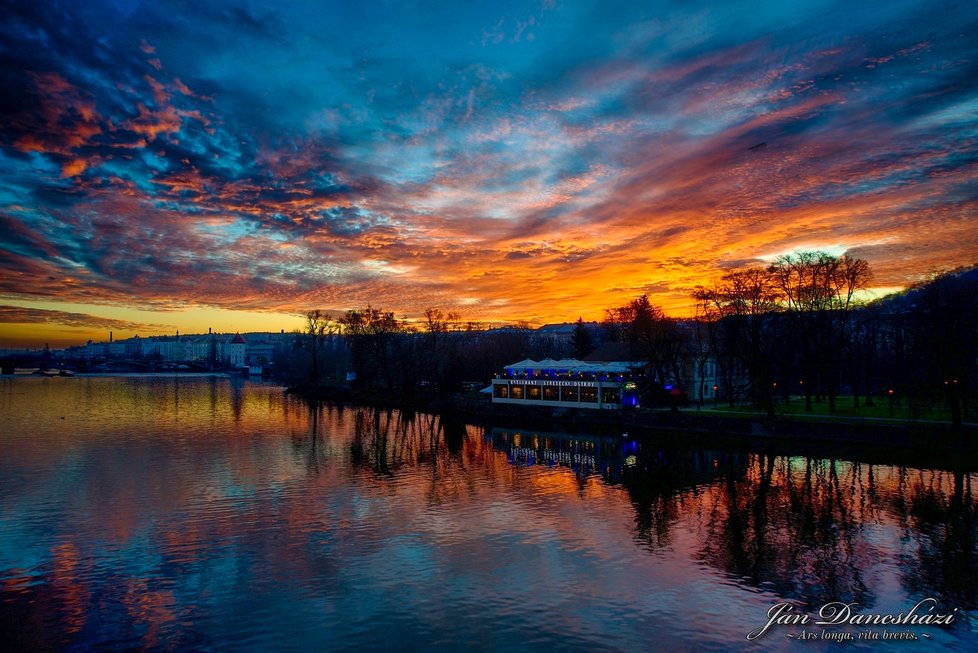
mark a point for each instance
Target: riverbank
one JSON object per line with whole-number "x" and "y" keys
{"x": 913, "y": 435}
{"x": 905, "y": 434}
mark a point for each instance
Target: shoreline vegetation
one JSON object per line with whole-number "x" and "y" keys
{"x": 787, "y": 344}
{"x": 907, "y": 434}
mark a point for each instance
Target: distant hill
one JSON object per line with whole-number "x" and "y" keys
{"x": 962, "y": 282}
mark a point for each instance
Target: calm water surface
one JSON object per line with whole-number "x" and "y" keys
{"x": 208, "y": 513}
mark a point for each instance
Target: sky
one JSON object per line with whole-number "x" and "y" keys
{"x": 178, "y": 165}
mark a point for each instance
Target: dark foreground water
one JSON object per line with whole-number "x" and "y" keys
{"x": 206, "y": 513}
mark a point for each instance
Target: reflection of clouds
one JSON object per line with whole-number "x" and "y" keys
{"x": 197, "y": 508}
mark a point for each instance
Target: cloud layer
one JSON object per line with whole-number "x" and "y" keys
{"x": 516, "y": 161}
{"x": 21, "y": 315}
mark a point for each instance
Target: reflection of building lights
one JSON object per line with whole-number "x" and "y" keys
{"x": 631, "y": 461}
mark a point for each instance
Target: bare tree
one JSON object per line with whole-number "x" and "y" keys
{"x": 819, "y": 291}
{"x": 318, "y": 326}
{"x": 741, "y": 304}
{"x": 372, "y": 333}
{"x": 439, "y": 364}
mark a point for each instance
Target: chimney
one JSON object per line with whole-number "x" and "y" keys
{"x": 110, "y": 336}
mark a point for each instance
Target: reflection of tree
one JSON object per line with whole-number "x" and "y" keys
{"x": 319, "y": 432}
{"x": 664, "y": 485}
{"x": 312, "y": 444}
{"x": 380, "y": 440}
{"x": 384, "y": 440}
{"x": 942, "y": 515}
{"x": 790, "y": 524}
{"x": 390, "y": 444}
{"x": 799, "y": 526}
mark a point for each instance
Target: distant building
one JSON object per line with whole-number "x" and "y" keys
{"x": 559, "y": 338}
{"x": 237, "y": 350}
{"x": 196, "y": 349}
{"x": 695, "y": 372}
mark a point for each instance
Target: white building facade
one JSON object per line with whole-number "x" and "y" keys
{"x": 567, "y": 383}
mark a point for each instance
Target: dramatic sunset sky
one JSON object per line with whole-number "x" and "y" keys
{"x": 180, "y": 165}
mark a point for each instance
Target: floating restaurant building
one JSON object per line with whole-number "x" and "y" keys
{"x": 568, "y": 383}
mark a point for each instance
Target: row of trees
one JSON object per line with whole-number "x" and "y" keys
{"x": 793, "y": 327}
{"x": 797, "y": 326}
{"x": 387, "y": 353}
{"x": 800, "y": 326}
{"x": 799, "y": 309}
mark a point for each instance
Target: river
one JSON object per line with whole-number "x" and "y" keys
{"x": 205, "y": 512}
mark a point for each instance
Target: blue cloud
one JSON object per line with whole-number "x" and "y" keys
{"x": 412, "y": 134}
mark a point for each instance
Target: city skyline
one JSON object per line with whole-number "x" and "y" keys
{"x": 181, "y": 166}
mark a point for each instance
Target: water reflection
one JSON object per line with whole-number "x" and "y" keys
{"x": 215, "y": 513}
{"x": 805, "y": 528}
{"x": 942, "y": 511}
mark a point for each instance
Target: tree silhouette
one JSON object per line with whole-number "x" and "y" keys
{"x": 582, "y": 341}
{"x": 742, "y": 303}
{"x": 818, "y": 290}
{"x": 318, "y": 326}
{"x": 651, "y": 337}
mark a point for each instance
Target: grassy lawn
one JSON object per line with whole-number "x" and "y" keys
{"x": 844, "y": 408}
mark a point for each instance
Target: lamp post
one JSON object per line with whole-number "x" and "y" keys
{"x": 890, "y": 393}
